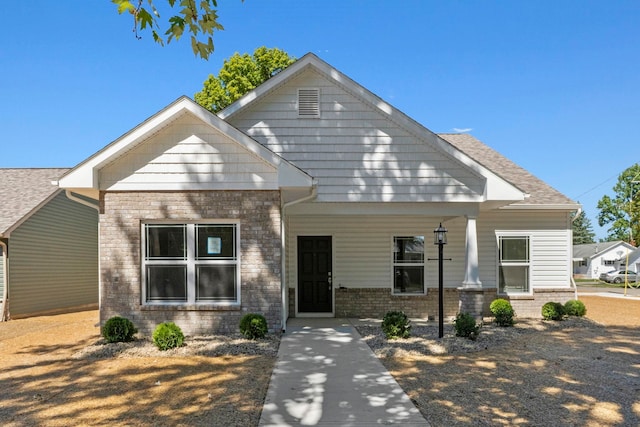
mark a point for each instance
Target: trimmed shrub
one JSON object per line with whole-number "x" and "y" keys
{"x": 396, "y": 324}
{"x": 466, "y": 326}
{"x": 502, "y": 312}
{"x": 253, "y": 326}
{"x": 552, "y": 311}
{"x": 575, "y": 308}
{"x": 168, "y": 335}
{"x": 118, "y": 329}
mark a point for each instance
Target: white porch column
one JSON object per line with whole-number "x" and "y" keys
{"x": 471, "y": 273}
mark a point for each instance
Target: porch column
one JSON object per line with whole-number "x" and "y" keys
{"x": 471, "y": 293}
{"x": 471, "y": 273}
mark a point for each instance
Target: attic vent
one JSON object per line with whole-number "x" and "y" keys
{"x": 308, "y": 102}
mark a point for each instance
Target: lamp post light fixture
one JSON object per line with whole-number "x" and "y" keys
{"x": 440, "y": 239}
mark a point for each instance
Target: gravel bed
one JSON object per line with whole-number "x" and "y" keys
{"x": 424, "y": 338}
{"x": 205, "y": 345}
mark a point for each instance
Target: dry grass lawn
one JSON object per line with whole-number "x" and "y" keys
{"x": 41, "y": 384}
{"x": 570, "y": 377}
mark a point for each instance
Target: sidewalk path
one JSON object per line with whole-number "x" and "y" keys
{"x": 327, "y": 376}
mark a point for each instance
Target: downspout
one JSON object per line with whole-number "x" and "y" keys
{"x": 5, "y": 290}
{"x": 283, "y": 287}
{"x": 573, "y": 282}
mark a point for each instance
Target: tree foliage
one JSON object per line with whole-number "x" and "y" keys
{"x": 241, "y": 74}
{"x": 582, "y": 229}
{"x": 195, "y": 17}
{"x": 622, "y": 211}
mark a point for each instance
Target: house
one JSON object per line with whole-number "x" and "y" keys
{"x": 48, "y": 246}
{"x": 311, "y": 196}
{"x": 630, "y": 261}
{"x": 592, "y": 259}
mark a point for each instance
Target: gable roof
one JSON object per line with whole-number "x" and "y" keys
{"x": 84, "y": 178}
{"x": 590, "y": 250}
{"x": 540, "y": 193}
{"x": 497, "y": 189}
{"x": 22, "y": 192}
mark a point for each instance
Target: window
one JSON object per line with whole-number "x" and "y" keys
{"x": 191, "y": 263}
{"x": 609, "y": 262}
{"x": 408, "y": 265}
{"x": 513, "y": 264}
{"x": 308, "y": 102}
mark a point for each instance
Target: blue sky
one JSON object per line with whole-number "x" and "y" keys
{"x": 553, "y": 85}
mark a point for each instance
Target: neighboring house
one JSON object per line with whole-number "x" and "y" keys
{"x": 632, "y": 260}
{"x": 592, "y": 259}
{"x": 48, "y": 246}
{"x": 311, "y": 196}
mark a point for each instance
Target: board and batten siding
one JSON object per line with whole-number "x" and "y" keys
{"x": 354, "y": 151}
{"x": 363, "y": 247}
{"x": 188, "y": 154}
{"x": 54, "y": 259}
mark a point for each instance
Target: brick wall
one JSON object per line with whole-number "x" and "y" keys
{"x": 531, "y": 306}
{"x": 121, "y": 216}
{"x": 374, "y": 303}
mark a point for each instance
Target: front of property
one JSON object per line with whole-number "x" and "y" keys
{"x": 311, "y": 196}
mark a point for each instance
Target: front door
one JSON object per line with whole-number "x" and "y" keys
{"x": 314, "y": 274}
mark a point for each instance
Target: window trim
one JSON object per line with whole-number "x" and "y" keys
{"x": 395, "y": 264}
{"x": 528, "y": 263}
{"x": 191, "y": 263}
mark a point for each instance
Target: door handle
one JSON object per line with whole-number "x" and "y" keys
{"x": 329, "y": 279}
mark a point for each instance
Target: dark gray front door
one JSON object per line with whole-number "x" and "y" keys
{"x": 314, "y": 274}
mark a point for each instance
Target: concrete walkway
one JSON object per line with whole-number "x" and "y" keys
{"x": 326, "y": 375}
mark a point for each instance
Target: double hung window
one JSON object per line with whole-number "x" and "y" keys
{"x": 191, "y": 263}
{"x": 408, "y": 265}
{"x": 513, "y": 264}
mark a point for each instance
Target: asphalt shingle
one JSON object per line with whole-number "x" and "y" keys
{"x": 22, "y": 190}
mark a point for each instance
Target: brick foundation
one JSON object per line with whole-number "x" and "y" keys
{"x": 374, "y": 303}
{"x": 120, "y": 239}
{"x": 531, "y": 306}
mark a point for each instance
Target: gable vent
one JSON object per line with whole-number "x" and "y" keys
{"x": 309, "y": 102}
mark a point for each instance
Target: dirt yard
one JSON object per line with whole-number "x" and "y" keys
{"x": 43, "y": 384}
{"x": 573, "y": 377}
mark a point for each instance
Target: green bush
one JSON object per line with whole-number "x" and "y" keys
{"x": 253, "y": 326}
{"x": 168, "y": 335}
{"x": 552, "y": 311}
{"x": 118, "y": 329}
{"x": 466, "y": 326}
{"x": 396, "y": 324}
{"x": 502, "y": 312}
{"x": 575, "y": 308}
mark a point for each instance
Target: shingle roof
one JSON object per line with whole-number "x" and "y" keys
{"x": 540, "y": 192}
{"x": 23, "y": 190}
{"x": 587, "y": 250}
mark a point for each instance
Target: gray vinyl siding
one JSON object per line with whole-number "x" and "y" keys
{"x": 2, "y": 255}
{"x": 355, "y": 152}
{"x": 54, "y": 259}
{"x": 362, "y": 247}
{"x": 188, "y": 154}
{"x": 550, "y": 245}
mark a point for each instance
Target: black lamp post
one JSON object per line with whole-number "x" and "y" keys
{"x": 440, "y": 239}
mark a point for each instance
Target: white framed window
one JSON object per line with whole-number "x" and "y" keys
{"x": 408, "y": 265}
{"x": 191, "y": 263}
{"x": 308, "y": 102}
{"x": 514, "y": 264}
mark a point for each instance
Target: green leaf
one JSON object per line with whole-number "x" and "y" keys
{"x": 124, "y": 6}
